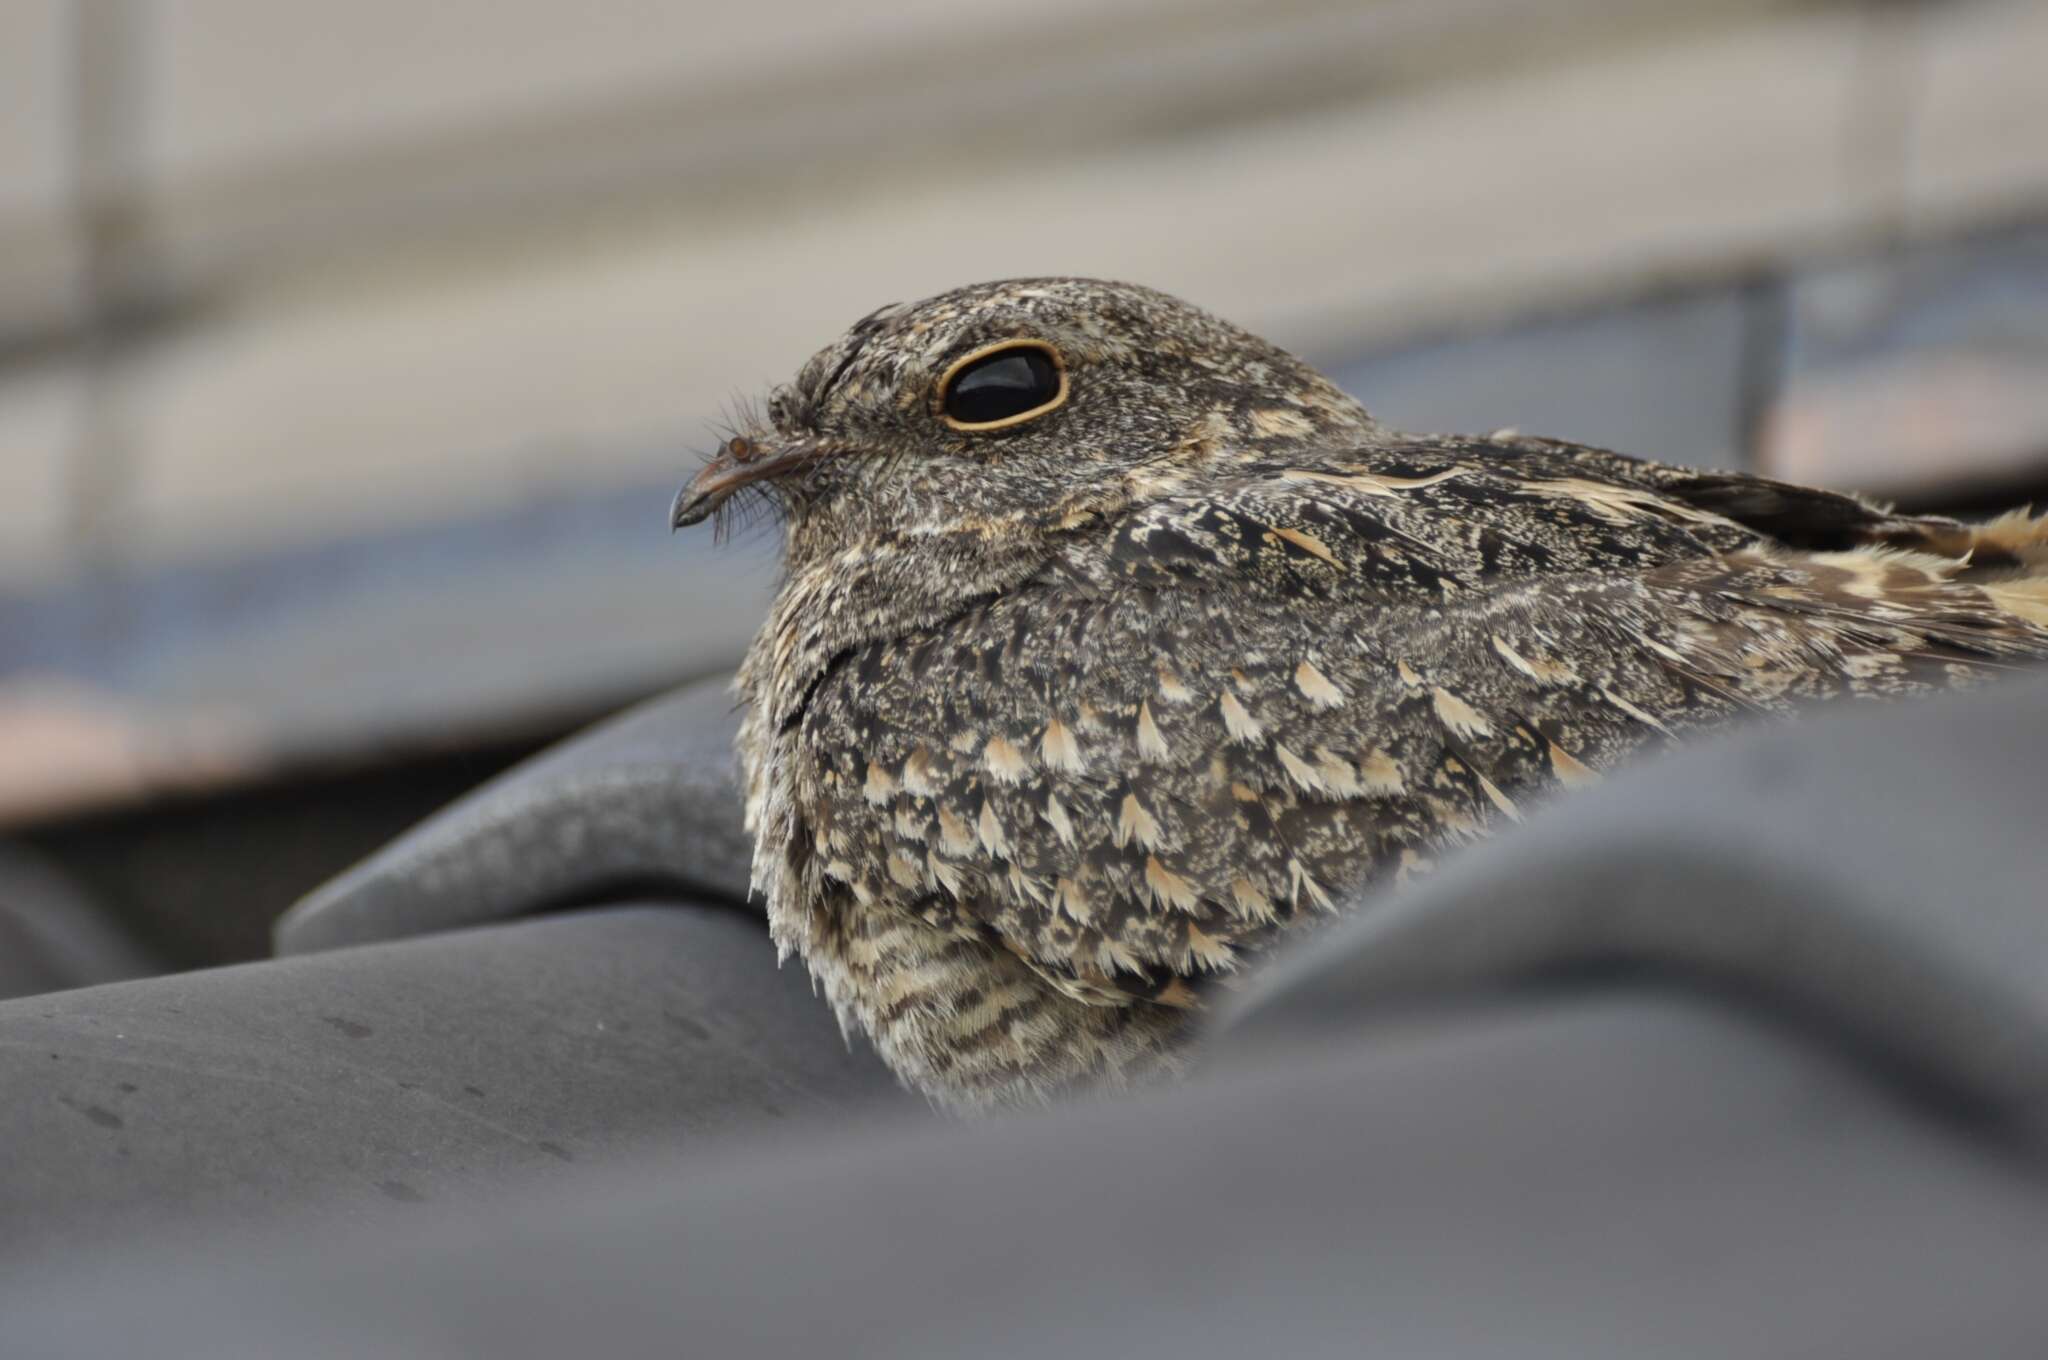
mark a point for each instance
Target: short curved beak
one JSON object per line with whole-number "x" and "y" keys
{"x": 695, "y": 501}
{"x": 727, "y": 472}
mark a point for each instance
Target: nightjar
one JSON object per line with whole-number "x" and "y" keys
{"x": 1116, "y": 644}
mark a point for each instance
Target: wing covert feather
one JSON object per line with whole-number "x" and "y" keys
{"x": 1195, "y": 730}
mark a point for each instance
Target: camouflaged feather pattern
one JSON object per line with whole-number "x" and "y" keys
{"x": 1028, "y": 779}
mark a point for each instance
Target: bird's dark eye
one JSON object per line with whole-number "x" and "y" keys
{"x": 1003, "y": 385}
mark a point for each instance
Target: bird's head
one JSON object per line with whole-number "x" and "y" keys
{"x": 1009, "y": 412}
{"x": 945, "y": 451}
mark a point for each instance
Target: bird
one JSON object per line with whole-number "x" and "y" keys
{"x": 1115, "y": 646}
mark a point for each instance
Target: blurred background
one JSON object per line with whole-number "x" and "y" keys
{"x": 350, "y": 354}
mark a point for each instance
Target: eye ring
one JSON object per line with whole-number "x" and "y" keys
{"x": 973, "y": 358}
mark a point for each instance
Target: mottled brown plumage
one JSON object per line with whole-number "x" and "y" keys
{"x": 1055, "y": 725}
